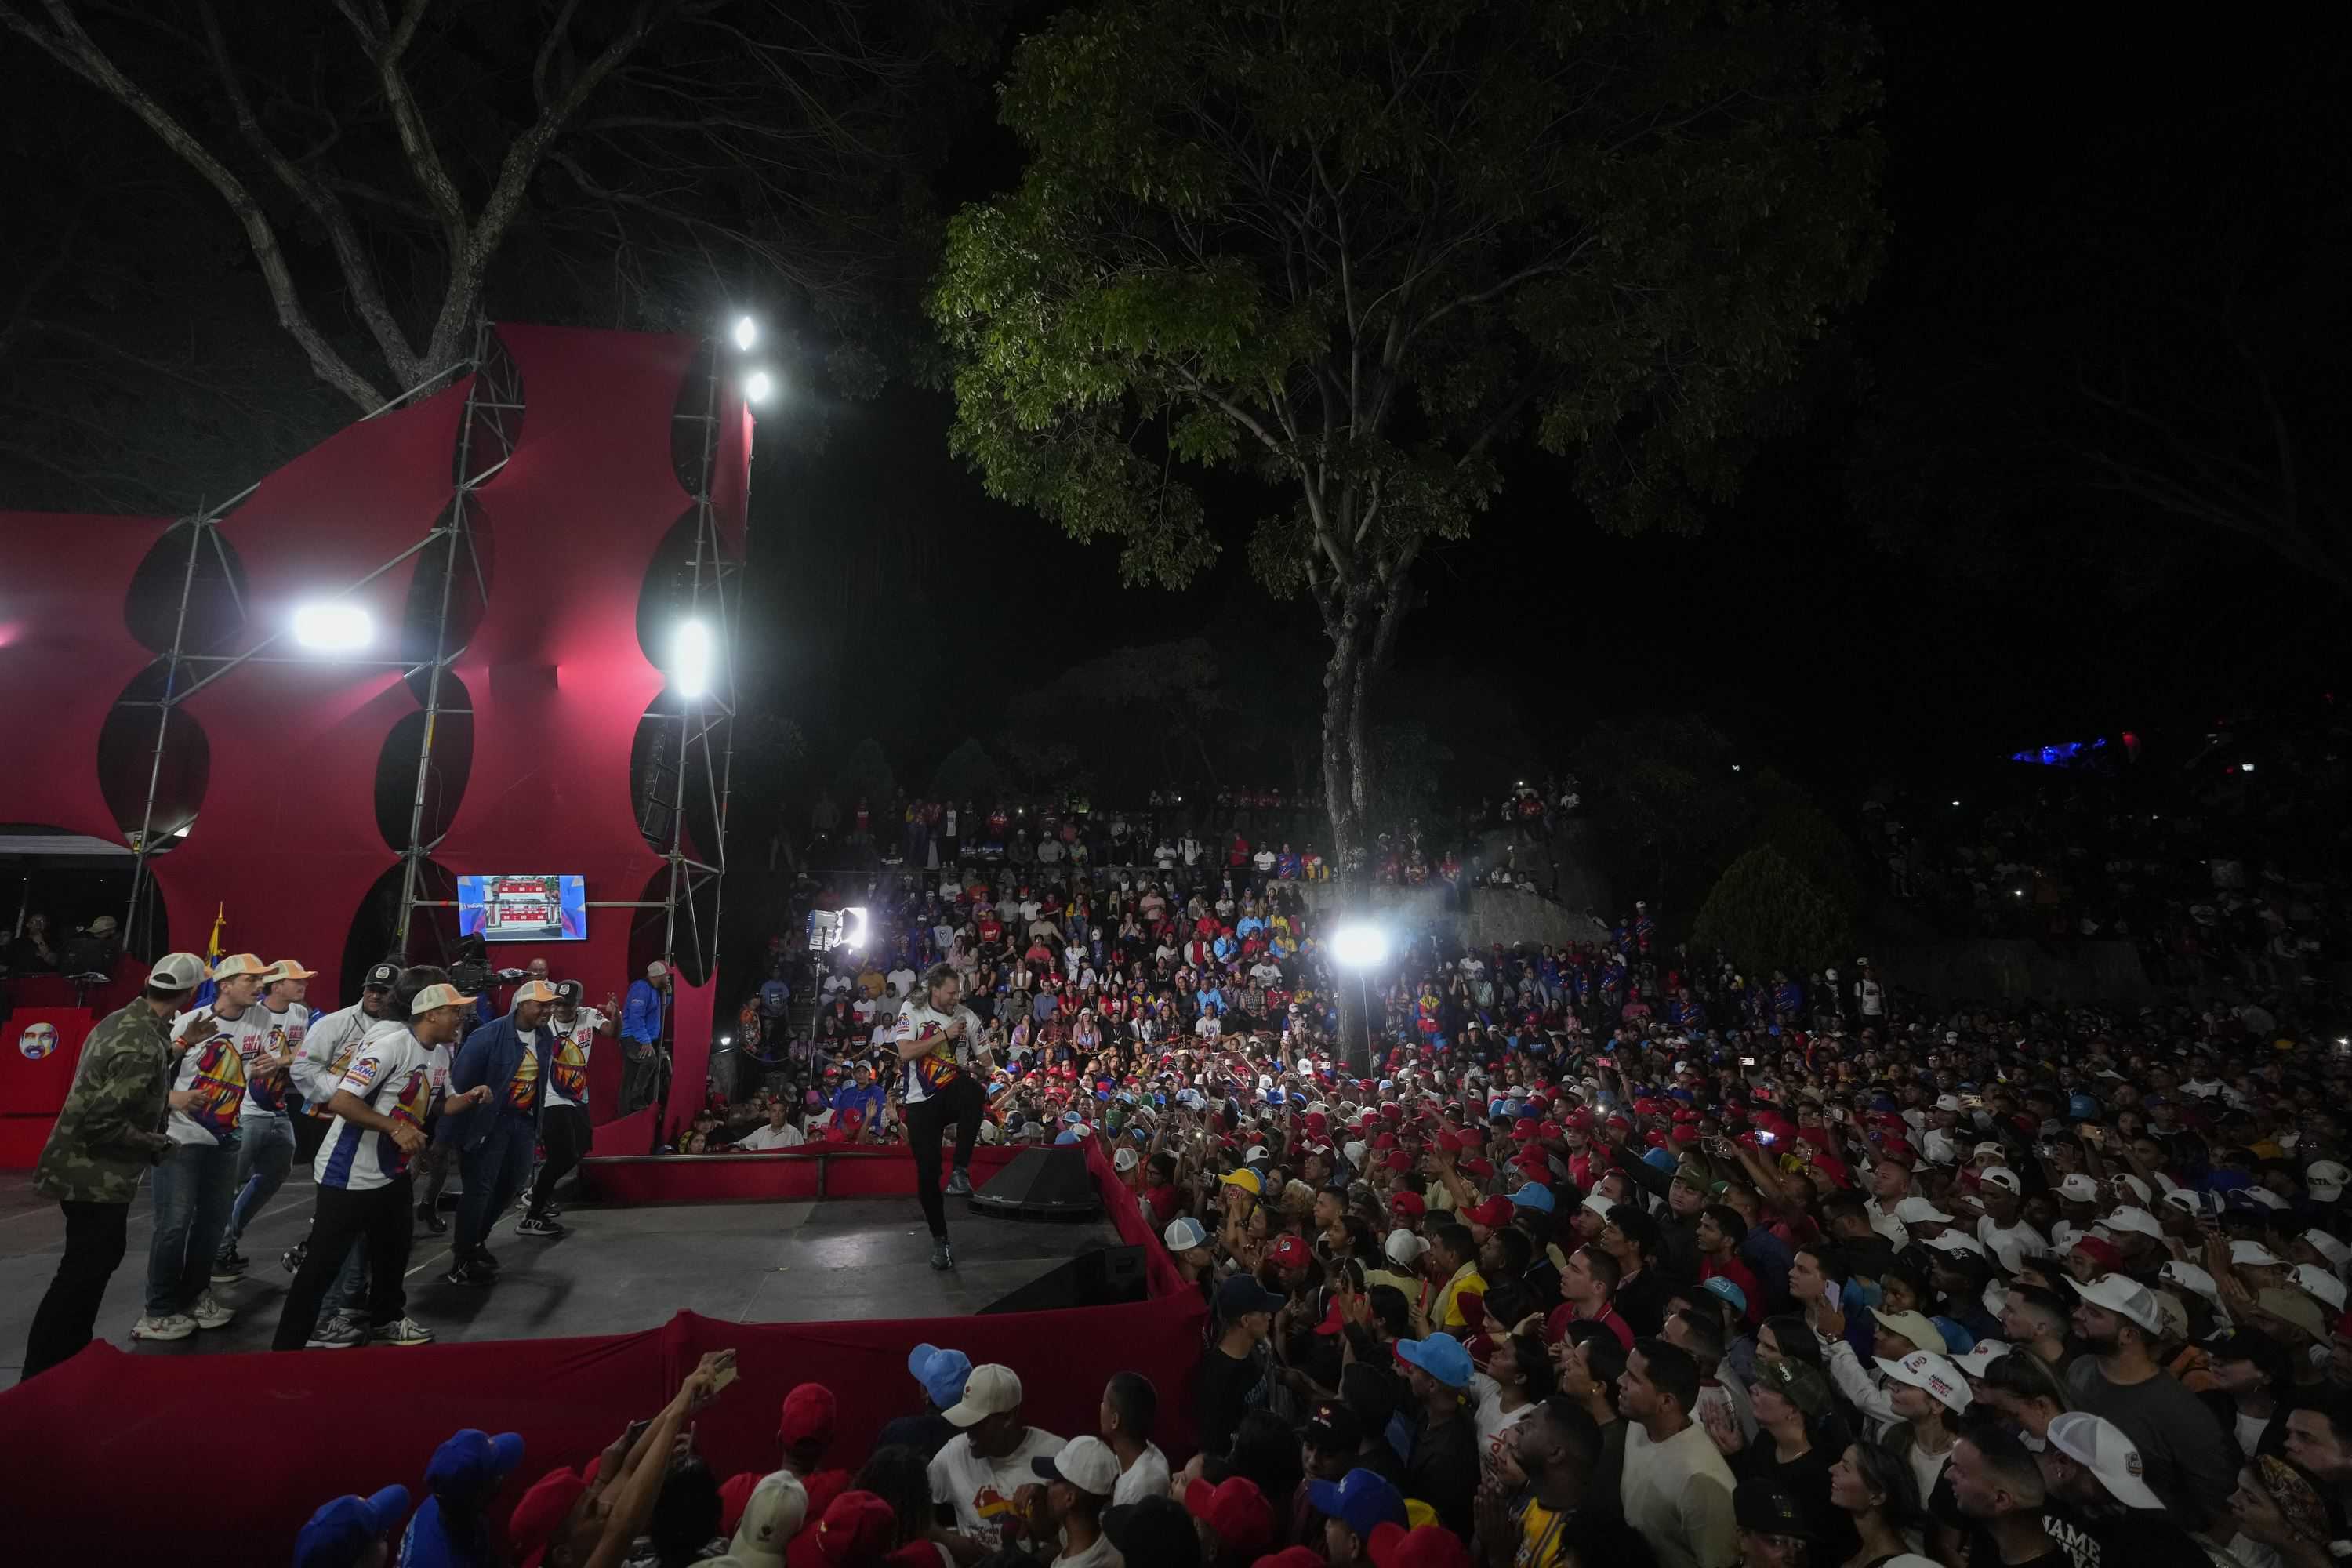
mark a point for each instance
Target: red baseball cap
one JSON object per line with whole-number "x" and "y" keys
{"x": 1234, "y": 1509}
{"x": 542, "y": 1510}
{"x": 1291, "y": 1252}
{"x": 2103, "y": 1253}
{"x": 1493, "y": 1214}
{"x": 808, "y": 1414}
{"x": 1408, "y": 1202}
{"x": 1429, "y": 1546}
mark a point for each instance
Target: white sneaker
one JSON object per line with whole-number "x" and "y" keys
{"x": 407, "y": 1331}
{"x": 171, "y": 1326}
{"x": 210, "y": 1314}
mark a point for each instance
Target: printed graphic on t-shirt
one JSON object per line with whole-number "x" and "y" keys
{"x": 336, "y": 1069}
{"x": 408, "y": 1106}
{"x": 522, "y": 1089}
{"x": 265, "y": 1079}
{"x": 219, "y": 1085}
{"x": 570, "y": 1075}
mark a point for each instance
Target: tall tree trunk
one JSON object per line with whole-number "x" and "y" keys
{"x": 1347, "y": 781}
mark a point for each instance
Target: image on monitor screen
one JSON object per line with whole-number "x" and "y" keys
{"x": 523, "y": 909}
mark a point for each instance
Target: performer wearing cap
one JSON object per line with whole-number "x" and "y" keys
{"x": 265, "y": 1142}
{"x": 933, "y": 1039}
{"x": 564, "y": 1123}
{"x": 640, "y": 1026}
{"x": 196, "y": 1183}
{"x": 102, "y": 1143}
{"x": 328, "y": 1047}
{"x": 495, "y": 1143}
{"x": 386, "y": 1099}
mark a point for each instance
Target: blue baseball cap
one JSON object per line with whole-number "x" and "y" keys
{"x": 1534, "y": 1195}
{"x": 1241, "y": 1293}
{"x": 468, "y": 1468}
{"x": 941, "y": 1372}
{"x": 1362, "y": 1500}
{"x": 1440, "y": 1355}
{"x": 342, "y": 1532}
{"x": 1730, "y": 1292}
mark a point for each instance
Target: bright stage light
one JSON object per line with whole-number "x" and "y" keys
{"x": 853, "y": 928}
{"x": 1360, "y": 946}
{"x": 333, "y": 628}
{"x": 759, "y": 386}
{"x": 747, "y": 333}
{"x": 690, "y": 666}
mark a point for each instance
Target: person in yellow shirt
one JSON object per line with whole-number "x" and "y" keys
{"x": 1558, "y": 1446}
{"x": 1454, "y": 1254}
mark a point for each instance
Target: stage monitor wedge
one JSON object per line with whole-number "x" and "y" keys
{"x": 1042, "y": 1183}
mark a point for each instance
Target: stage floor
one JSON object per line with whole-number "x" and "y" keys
{"x": 618, "y": 1271}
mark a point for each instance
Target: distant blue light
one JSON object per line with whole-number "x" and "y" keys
{"x": 2066, "y": 753}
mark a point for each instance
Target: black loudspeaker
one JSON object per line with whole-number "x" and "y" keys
{"x": 1042, "y": 1183}
{"x": 1106, "y": 1277}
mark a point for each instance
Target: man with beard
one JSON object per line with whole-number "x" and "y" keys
{"x": 1562, "y": 1520}
{"x": 2184, "y": 1452}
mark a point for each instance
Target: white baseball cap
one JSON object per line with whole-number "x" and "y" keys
{"x": 2318, "y": 1283}
{"x": 1124, "y": 1160}
{"x": 1957, "y": 1241}
{"x": 2189, "y": 1277}
{"x": 2126, "y": 1297}
{"x": 1085, "y": 1463}
{"x": 2100, "y": 1447}
{"x": 2137, "y": 1188}
{"x": 1912, "y": 1210}
{"x": 2254, "y": 1255}
{"x": 1982, "y": 1355}
{"x": 178, "y": 972}
{"x": 2324, "y": 1180}
{"x": 1939, "y": 1376}
{"x": 2001, "y": 1176}
{"x": 657, "y": 969}
{"x": 2328, "y": 1247}
{"x": 433, "y": 996}
{"x": 2135, "y": 1219}
{"x": 1947, "y": 1102}
{"x": 1600, "y": 1204}
{"x": 1404, "y": 1248}
{"x": 778, "y": 1508}
{"x": 2078, "y": 1188}
{"x": 1184, "y": 1234}
{"x": 991, "y": 1390}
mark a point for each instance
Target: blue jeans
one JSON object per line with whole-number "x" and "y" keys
{"x": 193, "y": 1188}
{"x": 349, "y": 1290}
{"x": 264, "y": 1155}
{"x": 495, "y": 1171}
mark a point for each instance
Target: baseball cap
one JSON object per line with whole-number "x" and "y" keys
{"x": 1924, "y": 1369}
{"x": 1234, "y": 1508}
{"x": 1404, "y": 1248}
{"x": 1246, "y": 1180}
{"x": 1361, "y": 1499}
{"x": 1085, "y": 1463}
{"x": 287, "y": 969}
{"x": 185, "y": 972}
{"x": 657, "y": 969}
{"x": 469, "y": 1465}
{"x": 2100, "y": 1251}
{"x": 1125, "y": 1160}
{"x": 2001, "y": 1176}
{"x": 2322, "y": 1284}
{"x": 1292, "y": 1252}
{"x": 238, "y": 963}
{"x": 2135, "y": 1219}
{"x": 2294, "y": 1307}
{"x": 2324, "y": 1180}
{"x": 2100, "y": 1447}
{"x": 1494, "y": 1214}
{"x": 542, "y": 1510}
{"x": 1156, "y": 1532}
{"x": 1424, "y": 1546}
{"x": 1333, "y": 1427}
{"x": 1440, "y": 1355}
{"x": 2078, "y": 1188}
{"x": 343, "y": 1531}
{"x": 1980, "y": 1355}
{"x": 567, "y": 991}
{"x": 1534, "y": 1195}
{"x": 1911, "y": 1326}
{"x": 2120, "y": 1294}
{"x": 1408, "y": 1202}
{"x": 440, "y": 996}
{"x": 941, "y": 1372}
{"x": 1728, "y": 1290}
{"x": 1912, "y": 1210}
{"x": 991, "y": 1390}
{"x": 1240, "y": 1294}
{"x": 1767, "y": 1508}
{"x": 1184, "y": 1234}
{"x": 773, "y": 1514}
{"x": 856, "y": 1528}
{"x": 1802, "y": 1383}
{"x": 807, "y": 1416}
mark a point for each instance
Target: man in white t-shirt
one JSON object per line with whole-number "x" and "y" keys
{"x": 563, "y": 1120}
{"x": 937, "y": 1087}
{"x": 981, "y": 1472}
{"x": 901, "y": 978}
{"x": 264, "y": 1149}
{"x": 383, "y": 1106}
{"x": 1130, "y": 1404}
{"x": 196, "y": 1184}
{"x": 779, "y": 1132}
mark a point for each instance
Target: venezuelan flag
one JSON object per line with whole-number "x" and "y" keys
{"x": 207, "y": 991}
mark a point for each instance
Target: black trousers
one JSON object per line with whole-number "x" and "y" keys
{"x": 961, "y": 1104}
{"x": 382, "y": 1215}
{"x": 94, "y": 1243}
{"x": 564, "y": 1130}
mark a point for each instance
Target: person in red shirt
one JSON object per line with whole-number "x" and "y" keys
{"x": 1720, "y": 1232}
{"x": 1589, "y": 1292}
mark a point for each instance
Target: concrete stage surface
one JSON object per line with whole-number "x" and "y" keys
{"x": 619, "y": 1270}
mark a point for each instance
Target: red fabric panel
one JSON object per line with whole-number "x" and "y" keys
{"x": 690, "y": 1053}
{"x": 557, "y": 680}
{"x": 604, "y": 1068}
{"x": 66, "y": 654}
{"x": 623, "y": 1136}
{"x": 22, "y": 1138}
{"x": 56, "y": 991}
{"x": 101, "y": 1417}
{"x": 344, "y": 508}
{"x": 35, "y": 1086}
{"x": 731, "y": 477}
{"x": 286, "y": 840}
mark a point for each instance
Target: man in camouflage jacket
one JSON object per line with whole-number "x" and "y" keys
{"x": 105, "y": 1139}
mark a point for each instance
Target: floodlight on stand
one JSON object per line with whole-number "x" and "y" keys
{"x": 1360, "y": 946}
{"x": 690, "y": 663}
{"x": 853, "y": 928}
{"x": 333, "y": 628}
{"x": 747, "y": 333}
{"x": 759, "y": 386}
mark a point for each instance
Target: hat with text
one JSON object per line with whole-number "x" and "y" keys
{"x": 382, "y": 977}
{"x": 2100, "y": 1447}
{"x": 1939, "y": 1377}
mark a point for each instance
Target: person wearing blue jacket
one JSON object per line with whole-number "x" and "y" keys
{"x": 496, "y": 1139}
{"x": 640, "y": 1027}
